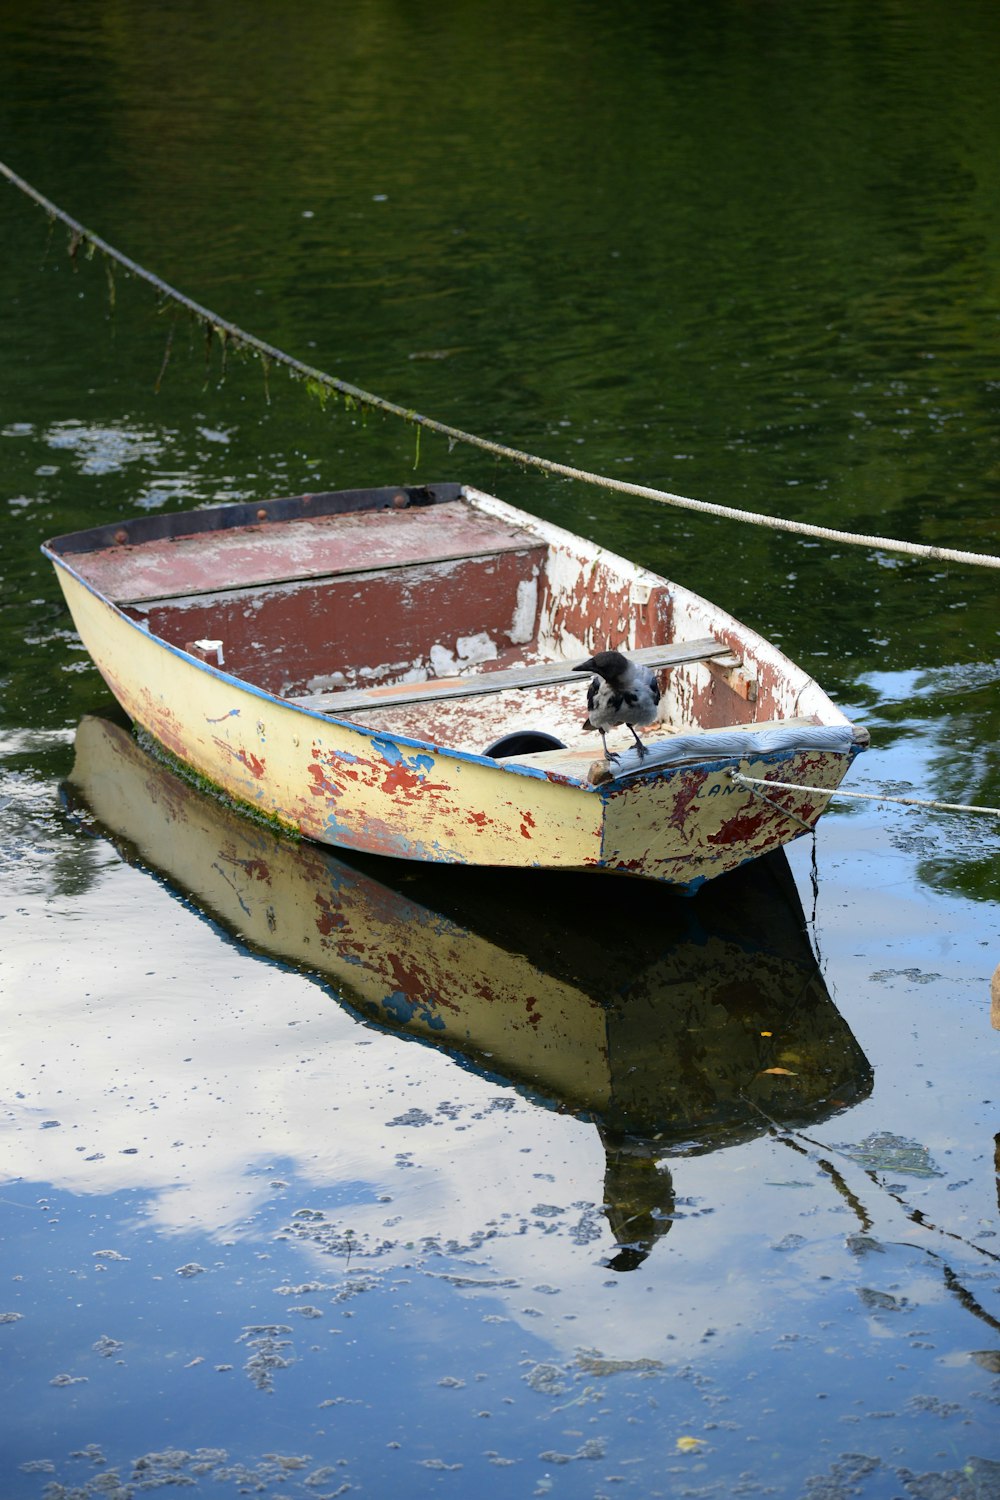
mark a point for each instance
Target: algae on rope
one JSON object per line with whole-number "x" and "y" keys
{"x": 268, "y": 352}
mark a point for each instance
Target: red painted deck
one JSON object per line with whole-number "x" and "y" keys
{"x": 319, "y": 547}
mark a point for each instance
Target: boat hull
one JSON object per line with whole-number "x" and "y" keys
{"x": 353, "y": 787}
{"x": 375, "y": 647}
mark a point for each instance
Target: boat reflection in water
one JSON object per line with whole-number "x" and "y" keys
{"x": 677, "y": 1025}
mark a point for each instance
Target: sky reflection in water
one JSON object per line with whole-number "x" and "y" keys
{"x": 244, "y": 1213}
{"x": 257, "y": 1238}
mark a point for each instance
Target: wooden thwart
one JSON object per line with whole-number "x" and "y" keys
{"x": 544, "y": 674}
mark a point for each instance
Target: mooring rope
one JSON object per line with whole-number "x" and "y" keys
{"x": 751, "y": 782}
{"x": 321, "y": 383}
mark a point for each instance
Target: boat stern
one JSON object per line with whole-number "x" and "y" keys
{"x": 688, "y": 823}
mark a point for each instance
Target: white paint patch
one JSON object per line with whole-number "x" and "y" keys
{"x": 386, "y": 671}
{"x": 522, "y": 626}
{"x": 473, "y": 649}
{"x": 215, "y": 647}
{"x": 326, "y": 682}
{"x": 443, "y": 662}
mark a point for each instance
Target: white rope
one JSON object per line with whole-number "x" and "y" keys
{"x": 233, "y": 337}
{"x": 785, "y": 812}
{"x": 795, "y": 786}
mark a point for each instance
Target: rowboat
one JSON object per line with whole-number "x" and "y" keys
{"x": 719, "y": 1025}
{"x": 396, "y": 671}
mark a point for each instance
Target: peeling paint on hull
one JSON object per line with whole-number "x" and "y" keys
{"x": 387, "y": 785}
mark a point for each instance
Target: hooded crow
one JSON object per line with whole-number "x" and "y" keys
{"x": 621, "y": 693}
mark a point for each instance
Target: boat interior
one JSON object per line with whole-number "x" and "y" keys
{"x": 423, "y": 613}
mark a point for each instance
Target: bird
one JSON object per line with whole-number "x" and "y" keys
{"x": 621, "y": 692}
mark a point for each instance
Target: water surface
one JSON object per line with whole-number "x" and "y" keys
{"x": 266, "y": 1230}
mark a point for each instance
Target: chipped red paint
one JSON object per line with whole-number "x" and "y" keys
{"x": 322, "y": 786}
{"x": 531, "y": 1007}
{"x": 308, "y": 547}
{"x": 417, "y": 983}
{"x": 680, "y": 806}
{"x": 478, "y": 722}
{"x": 597, "y": 607}
{"x": 397, "y": 779}
{"x": 254, "y": 869}
{"x": 162, "y": 725}
{"x": 329, "y": 920}
{"x": 742, "y": 828}
{"x": 253, "y": 763}
{"x": 405, "y": 780}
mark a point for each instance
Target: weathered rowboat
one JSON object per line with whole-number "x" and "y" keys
{"x": 391, "y": 670}
{"x": 719, "y": 1024}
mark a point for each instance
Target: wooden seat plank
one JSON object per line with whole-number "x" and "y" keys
{"x": 542, "y": 674}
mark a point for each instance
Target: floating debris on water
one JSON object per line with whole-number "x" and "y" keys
{"x": 878, "y": 1301}
{"x": 593, "y": 1362}
{"x": 106, "y": 1346}
{"x": 413, "y": 1117}
{"x": 593, "y": 1448}
{"x": 267, "y": 1344}
{"x": 547, "y": 1378}
{"x": 885, "y": 1152}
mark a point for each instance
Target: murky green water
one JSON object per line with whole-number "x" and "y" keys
{"x": 264, "y": 1234}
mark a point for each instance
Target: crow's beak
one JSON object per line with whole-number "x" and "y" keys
{"x": 586, "y": 666}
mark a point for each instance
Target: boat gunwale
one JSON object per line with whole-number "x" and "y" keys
{"x": 231, "y": 515}
{"x": 628, "y": 776}
{"x": 756, "y": 649}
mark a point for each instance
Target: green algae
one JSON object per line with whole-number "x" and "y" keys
{"x": 202, "y": 783}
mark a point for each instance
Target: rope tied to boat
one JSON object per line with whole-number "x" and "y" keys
{"x": 320, "y": 383}
{"x": 751, "y": 783}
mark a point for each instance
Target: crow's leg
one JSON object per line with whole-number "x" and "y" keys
{"x": 608, "y": 754}
{"x": 642, "y": 749}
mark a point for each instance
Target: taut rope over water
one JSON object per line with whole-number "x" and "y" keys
{"x": 753, "y": 782}
{"x": 321, "y": 382}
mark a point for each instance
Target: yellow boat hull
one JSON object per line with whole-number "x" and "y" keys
{"x": 369, "y": 593}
